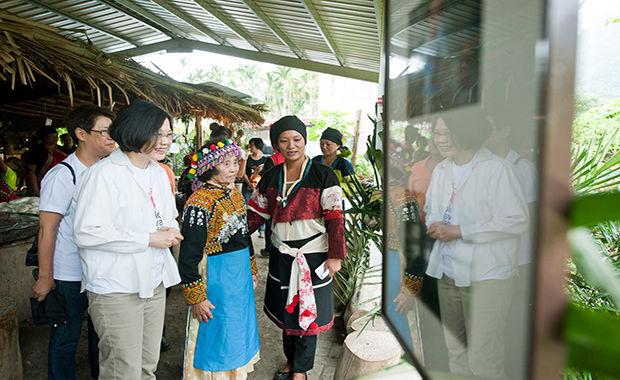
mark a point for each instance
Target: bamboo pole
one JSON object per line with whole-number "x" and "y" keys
{"x": 198, "y": 125}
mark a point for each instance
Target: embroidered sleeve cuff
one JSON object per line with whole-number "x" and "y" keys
{"x": 194, "y": 292}
{"x": 412, "y": 283}
{"x": 253, "y": 265}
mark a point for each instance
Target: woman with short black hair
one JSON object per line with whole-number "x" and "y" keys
{"x": 125, "y": 222}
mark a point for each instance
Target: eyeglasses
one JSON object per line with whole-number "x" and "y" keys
{"x": 442, "y": 135}
{"x": 167, "y": 136}
{"x": 102, "y": 132}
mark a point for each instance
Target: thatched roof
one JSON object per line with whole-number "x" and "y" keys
{"x": 35, "y": 60}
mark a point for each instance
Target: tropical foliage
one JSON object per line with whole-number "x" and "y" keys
{"x": 286, "y": 90}
{"x": 363, "y": 222}
{"x": 331, "y": 119}
{"x": 593, "y": 318}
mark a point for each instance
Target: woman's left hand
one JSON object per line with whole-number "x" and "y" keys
{"x": 333, "y": 266}
{"x": 444, "y": 232}
{"x": 202, "y": 310}
{"x": 255, "y": 280}
{"x": 404, "y": 301}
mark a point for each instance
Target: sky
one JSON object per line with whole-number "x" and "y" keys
{"x": 598, "y": 50}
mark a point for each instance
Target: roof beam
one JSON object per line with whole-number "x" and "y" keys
{"x": 421, "y": 40}
{"x": 379, "y": 6}
{"x": 195, "y": 24}
{"x": 420, "y": 14}
{"x": 275, "y": 29}
{"x": 186, "y": 45}
{"x": 82, "y": 21}
{"x": 230, "y": 23}
{"x": 134, "y": 11}
{"x": 329, "y": 40}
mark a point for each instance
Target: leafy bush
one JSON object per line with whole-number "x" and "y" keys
{"x": 598, "y": 122}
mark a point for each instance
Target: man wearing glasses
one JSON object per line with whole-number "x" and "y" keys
{"x": 59, "y": 263}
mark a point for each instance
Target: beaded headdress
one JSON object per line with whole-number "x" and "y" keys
{"x": 210, "y": 156}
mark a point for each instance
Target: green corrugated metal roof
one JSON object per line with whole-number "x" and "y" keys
{"x": 339, "y": 37}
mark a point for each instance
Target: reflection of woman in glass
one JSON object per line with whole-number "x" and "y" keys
{"x": 476, "y": 211}
{"x": 420, "y": 177}
{"x": 218, "y": 270}
{"x": 331, "y": 144}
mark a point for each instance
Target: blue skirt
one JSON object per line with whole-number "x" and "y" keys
{"x": 230, "y": 339}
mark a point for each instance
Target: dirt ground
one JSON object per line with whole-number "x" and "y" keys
{"x": 34, "y": 340}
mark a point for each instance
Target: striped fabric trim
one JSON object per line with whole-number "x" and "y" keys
{"x": 194, "y": 292}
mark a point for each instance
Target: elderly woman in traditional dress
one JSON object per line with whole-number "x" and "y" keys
{"x": 218, "y": 270}
{"x": 302, "y": 201}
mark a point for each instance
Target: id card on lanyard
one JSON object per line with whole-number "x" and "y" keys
{"x": 159, "y": 222}
{"x": 448, "y": 213}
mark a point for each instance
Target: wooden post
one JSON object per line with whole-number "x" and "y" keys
{"x": 356, "y": 135}
{"x": 198, "y": 125}
{"x": 10, "y": 355}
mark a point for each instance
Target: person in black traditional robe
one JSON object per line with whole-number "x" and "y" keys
{"x": 302, "y": 201}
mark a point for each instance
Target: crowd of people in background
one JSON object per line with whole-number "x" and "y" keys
{"x": 110, "y": 214}
{"x": 22, "y": 175}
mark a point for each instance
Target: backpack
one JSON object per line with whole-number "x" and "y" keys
{"x": 32, "y": 254}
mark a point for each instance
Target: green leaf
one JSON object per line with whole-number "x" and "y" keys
{"x": 592, "y": 340}
{"x": 592, "y": 209}
{"x": 615, "y": 160}
{"x": 592, "y": 264}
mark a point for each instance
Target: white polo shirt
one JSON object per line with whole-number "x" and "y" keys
{"x": 57, "y": 190}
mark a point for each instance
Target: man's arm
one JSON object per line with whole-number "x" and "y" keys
{"x": 31, "y": 180}
{"x": 48, "y": 228}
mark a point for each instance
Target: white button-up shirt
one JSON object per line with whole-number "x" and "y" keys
{"x": 114, "y": 215}
{"x": 489, "y": 206}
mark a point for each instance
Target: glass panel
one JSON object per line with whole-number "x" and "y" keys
{"x": 462, "y": 99}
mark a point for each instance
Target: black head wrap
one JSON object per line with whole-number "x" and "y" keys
{"x": 332, "y": 135}
{"x": 287, "y": 123}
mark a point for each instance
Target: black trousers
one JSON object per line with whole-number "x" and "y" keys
{"x": 299, "y": 351}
